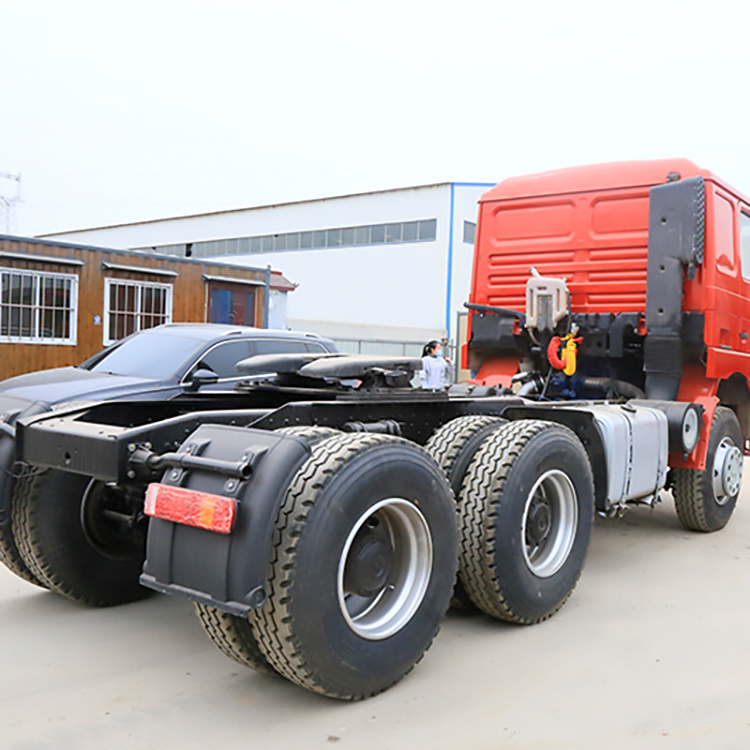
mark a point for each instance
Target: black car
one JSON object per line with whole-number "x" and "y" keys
{"x": 173, "y": 361}
{"x": 160, "y": 363}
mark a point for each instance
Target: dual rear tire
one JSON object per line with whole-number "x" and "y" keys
{"x": 525, "y": 501}
{"x": 366, "y": 543}
{"x": 79, "y": 537}
{"x": 526, "y": 512}
{"x": 363, "y": 562}
{"x": 11, "y": 557}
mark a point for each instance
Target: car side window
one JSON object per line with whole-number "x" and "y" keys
{"x": 316, "y": 348}
{"x": 222, "y": 359}
{"x": 279, "y": 346}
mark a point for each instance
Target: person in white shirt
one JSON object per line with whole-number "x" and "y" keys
{"x": 437, "y": 372}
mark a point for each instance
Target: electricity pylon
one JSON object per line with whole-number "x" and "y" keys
{"x": 9, "y": 199}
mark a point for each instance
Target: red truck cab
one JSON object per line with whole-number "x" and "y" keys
{"x": 624, "y": 245}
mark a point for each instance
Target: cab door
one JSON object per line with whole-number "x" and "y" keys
{"x": 725, "y": 286}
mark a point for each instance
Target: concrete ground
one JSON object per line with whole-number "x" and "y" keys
{"x": 652, "y": 650}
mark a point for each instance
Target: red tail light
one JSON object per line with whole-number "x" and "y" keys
{"x": 190, "y": 507}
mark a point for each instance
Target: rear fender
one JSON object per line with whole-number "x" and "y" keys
{"x": 227, "y": 571}
{"x": 696, "y": 388}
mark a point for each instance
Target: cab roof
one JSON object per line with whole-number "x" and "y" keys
{"x": 597, "y": 177}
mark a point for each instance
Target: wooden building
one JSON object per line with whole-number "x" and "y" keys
{"x": 60, "y": 303}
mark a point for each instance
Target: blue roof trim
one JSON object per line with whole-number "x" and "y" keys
{"x": 473, "y": 184}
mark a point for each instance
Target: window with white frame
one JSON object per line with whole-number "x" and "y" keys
{"x": 38, "y": 307}
{"x": 131, "y": 306}
{"x": 419, "y": 230}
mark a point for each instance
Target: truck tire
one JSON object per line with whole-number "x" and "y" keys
{"x": 455, "y": 443}
{"x": 73, "y": 537}
{"x": 705, "y": 499}
{"x": 453, "y": 446}
{"x": 526, "y": 513}
{"x": 11, "y": 557}
{"x": 364, "y": 559}
{"x": 233, "y": 636}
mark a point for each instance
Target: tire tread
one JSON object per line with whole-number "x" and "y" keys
{"x": 447, "y": 443}
{"x": 23, "y": 524}
{"x": 274, "y": 625}
{"x": 481, "y": 495}
{"x": 27, "y": 523}
{"x": 692, "y": 490}
{"x": 233, "y": 636}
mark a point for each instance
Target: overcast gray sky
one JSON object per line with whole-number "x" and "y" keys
{"x": 120, "y": 111}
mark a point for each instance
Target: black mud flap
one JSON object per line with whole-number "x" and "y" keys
{"x": 228, "y": 571}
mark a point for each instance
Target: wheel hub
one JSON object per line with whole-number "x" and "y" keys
{"x": 110, "y": 523}
{"x": 727, "y": 471}
{"x": 549, "y": 523}
{"x": 538, "y": 523}
{"x": 384, "y": 568}
{"x": 370, "y": 560}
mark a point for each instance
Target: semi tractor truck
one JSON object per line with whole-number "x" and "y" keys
{"x": 322, "y": 520}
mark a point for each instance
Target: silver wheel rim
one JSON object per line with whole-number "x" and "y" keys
{"x": 727, "y": 471}
{"x": 550, "y": 521}
{"x": 384, "y": 568}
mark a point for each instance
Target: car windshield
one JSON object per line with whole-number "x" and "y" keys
{"x": 149, "y": 354}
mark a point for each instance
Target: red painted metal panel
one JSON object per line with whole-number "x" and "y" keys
{"x": 595, "y": 178}
{"x": 597, "y": 243}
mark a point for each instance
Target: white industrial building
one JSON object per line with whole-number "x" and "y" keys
{"x": 371, "y": 269}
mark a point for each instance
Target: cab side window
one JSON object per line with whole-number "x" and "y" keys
{"x": 745, "y": 243}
